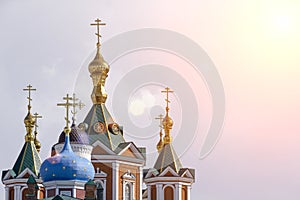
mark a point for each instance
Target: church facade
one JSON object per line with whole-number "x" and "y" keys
{"x": 92, "y": 160}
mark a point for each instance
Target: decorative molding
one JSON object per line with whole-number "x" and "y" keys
{"x": 187, "y": 173}
{"x": 134, "y": 149}
{"x": 168, "y": 169}
{"x": 24, "y": 172}
{"x": 114, "y": 158}
{"x": 104, "y": 147}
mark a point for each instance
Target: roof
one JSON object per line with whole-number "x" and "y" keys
{"x": 67, "y": 166}
{"x": 167, "y": 157}
{"x": 99, "y": 114}
{"x": 28, "y": 158}
{"x": 31, "y": 180}
{"x": 76, "y": 136}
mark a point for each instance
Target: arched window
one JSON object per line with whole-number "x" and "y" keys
{"x": 128, "y": 192}
{"x": 128, "y": 185}
{"x": 99, "y": 191}
{"x": 168, "y": 193}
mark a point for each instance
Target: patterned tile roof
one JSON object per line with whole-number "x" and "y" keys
{"x": 167, "y": 157}
{"x": 28, "y": 158}
{"x": 99, "y": 114}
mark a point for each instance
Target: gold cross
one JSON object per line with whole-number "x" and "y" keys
{"x": 29, "y": 89}
{"x": 98, "y": 24}
{"x": 80, "y": 105}
{"x": 167, "y": 90}
{"x": 67, "y": 106}
{"x": 160, "y": 117}
{"x": 36, "y": 116}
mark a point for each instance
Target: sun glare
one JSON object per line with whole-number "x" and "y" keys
{"x": 136, "y": 107}
{"x": 283, "y": 23}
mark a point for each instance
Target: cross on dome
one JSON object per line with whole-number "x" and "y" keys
{"x": 29, "y": 89}
{"x": 67, "y": 105}
{"x": 75, "y": 104}
{"x": 167, "y": 91}
{"x": 98, "y": 24}
{"x": 160, "y": 118}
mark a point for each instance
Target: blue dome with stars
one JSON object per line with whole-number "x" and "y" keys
{"x": 67, "y": 166}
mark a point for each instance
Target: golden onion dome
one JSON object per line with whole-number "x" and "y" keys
{"x": 98, "y": 65}
{"x": 37, "y": 144}
{"x": 160, "y": 144}
{"x": 167, "y": 122}
{"x": 29, "y": 119}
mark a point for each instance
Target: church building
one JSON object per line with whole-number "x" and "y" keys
{"x": 92, "y": 160}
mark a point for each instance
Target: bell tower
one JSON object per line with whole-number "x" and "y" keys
{"x": 118, "y": 163}
{"x": 168, "y": 180}
{"x": 28, "y": 162}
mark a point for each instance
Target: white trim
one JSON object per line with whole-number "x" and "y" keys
{"x": 21, "y": 191}
{"x": 115, "y": 180}
{"x": 114, "y": 158}
{"x": 74, "y": 192}
{"x": 65, "y": 184}
{"x": 141, "y": 183}
{"x": 169, "y": 169}
{"x": 7, "y": 175}
{"x": 149, "y": 192}
{"x": 135, "y": 151}
{"x": 104, "y": 191}
{"x": 6, "y": 193}
{"x": 159, "y": 191}
{"x": 150, "y": 173}
{"x": 187, "y": 173}
{"x": 100, "y": 174}
{"x": 178, "y": 191}
{"x": 188, "y": 192}
{"x": 169, "y": 179}
{"x": 129, "y": 176}
{"x": 17, "y": 192}
{"x": 21, "y": 181}
{"x": 103, "y": 146}
{"x": 131, "y": 186}
{"x": 24, "y": 172}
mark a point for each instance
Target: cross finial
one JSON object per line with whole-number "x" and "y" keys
{"x": 80, "y": 105}
{"x": 167, "y": 91}
{"x": 160, "y": 118}
{"x": 36, "y": 116}
{"x": 98, "y": 24}
{"x": 67, "y": 106}
{"x": 29, "y": 89}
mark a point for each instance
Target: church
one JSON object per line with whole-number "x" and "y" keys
{"x": 92, "y": 160}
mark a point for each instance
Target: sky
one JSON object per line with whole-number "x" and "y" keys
{"x": 254, "y": 46}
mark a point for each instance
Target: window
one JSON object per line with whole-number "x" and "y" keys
{"x": 99, "y": 191}
{"x": 128, "y": 192}
{"x": 67, "y": 193}
{"x": 128, "y": 186}
{"x": 168, "y": 193}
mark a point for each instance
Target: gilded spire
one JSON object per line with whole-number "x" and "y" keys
{"x": 75, "y": 104}
{"x": 67, "y": 105}
{"x": 36, "y": 141}
{"x": 29, "y": 120}
{"x": 98, "y": 69}
{"x": 160, "y": 144}
{"x": 167, "y": 122}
